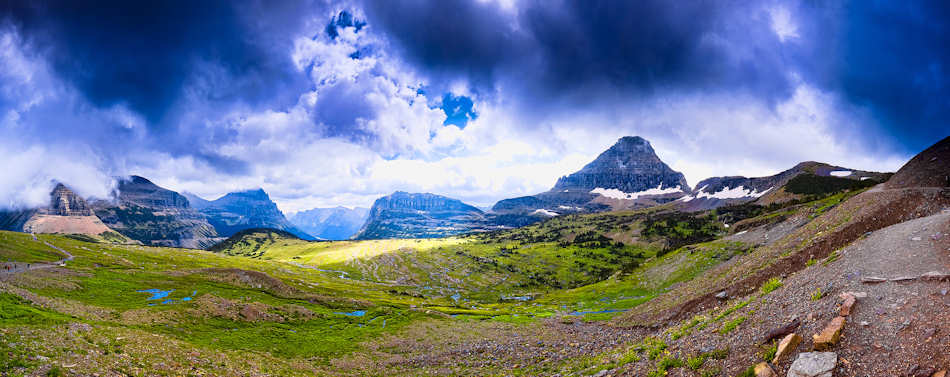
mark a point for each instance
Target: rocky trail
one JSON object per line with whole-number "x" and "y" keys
{"x": 14, "y": 267}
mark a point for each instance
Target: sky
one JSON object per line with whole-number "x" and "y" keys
{"x": 325, "y": 103}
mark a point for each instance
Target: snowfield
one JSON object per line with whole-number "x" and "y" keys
{"x": 617, "y": 194}
{"x": 727, "y": 193}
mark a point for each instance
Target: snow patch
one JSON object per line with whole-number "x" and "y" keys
{"x": 617, "y": 194}
{"x": 841, "y": 173}
{"x": 542, "y": 211}
{"x": 731, "y": 193}
{"x": 865, "y": 178}
{"x": 569, "y": 208}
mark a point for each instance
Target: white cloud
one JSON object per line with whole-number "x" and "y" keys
{"x": 782, "y": 23}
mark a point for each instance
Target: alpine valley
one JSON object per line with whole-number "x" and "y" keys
{"x": 620, "y": 269}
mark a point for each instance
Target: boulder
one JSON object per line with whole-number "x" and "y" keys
{"x": 873, "y": 280}
{"x": 829, "y": 337}
{"x": 942, "y": 373}
{"x": 847, "y": 305}
{"x": 814, "y": 364}
{"x": 722, "y": 295}
{"x": 764, "y": 370}
{"x": 786, "y": 347}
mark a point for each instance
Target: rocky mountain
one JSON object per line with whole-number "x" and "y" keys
{"x": 143, "y": 211}
{"x": 806, "y": 178}
{"x": 339, "y": 223}
{"x": 67, "y": 213}
{"x": 415, "y": 215}
{"x": 249, "y": 209}
{"x": 627, "y": 175}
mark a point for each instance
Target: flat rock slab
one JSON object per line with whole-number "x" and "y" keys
{"x": 814, "y": 364}
{"x": 786, "y": 347}
{"x": 935, "y": 276}
{"x": 873, "y": 280}
{"x": 829, "y": 337}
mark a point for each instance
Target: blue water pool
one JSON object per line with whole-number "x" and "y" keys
{"x": 157, "y": 294}
{"x": 598, "y": 311}
{"x": 355, "y": 313}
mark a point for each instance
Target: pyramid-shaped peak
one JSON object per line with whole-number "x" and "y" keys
{"x": 630, "y": 165}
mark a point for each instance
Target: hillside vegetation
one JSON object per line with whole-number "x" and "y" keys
{"x": 254, "y": 303}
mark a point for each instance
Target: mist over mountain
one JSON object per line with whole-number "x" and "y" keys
{"x": 337, "y": 223}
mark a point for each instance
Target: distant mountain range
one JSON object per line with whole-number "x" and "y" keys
{"x": 339, "y": 223}
{"x": 242, "y": 210}
{"x": 628, "y": 175}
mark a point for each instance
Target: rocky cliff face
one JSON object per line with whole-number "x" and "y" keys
{"x": 338, "y": 223}
{"x": 65, "y": 202}
{"x": 67, "y": 213}
{"x": 412, "y": 215}
{"x": 627, "y": 175}
{"x": 242, "y": 210}
{"x": 143, "y": 211}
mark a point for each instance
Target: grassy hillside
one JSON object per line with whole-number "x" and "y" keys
{"x": 257, "y": 303}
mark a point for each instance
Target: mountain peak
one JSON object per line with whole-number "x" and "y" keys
{"x": 630, "y": 165}
{"x": 255, "y": 193}
{"x": 65, "y": 202}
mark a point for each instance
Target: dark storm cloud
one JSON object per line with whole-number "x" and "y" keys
{"x": 142, "y": 54}
{"x": 888, "y": 56}
{"x": 591, "y": 49}
{"x": 895, "y": 58}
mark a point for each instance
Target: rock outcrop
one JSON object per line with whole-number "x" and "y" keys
{"x": 67, "y": 213}
{"x": 414, "y": 215}
{"x": 143, "y": 211}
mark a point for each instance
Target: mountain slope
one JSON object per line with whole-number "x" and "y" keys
{"x": 143, "y": 211}
{"x": 806, "y": 178}
{"x": 930, "y": 168}
{"x": 338, "y": 223}
{"x": 250, "y": 209}
{"x": 414, "y": 215}
{"x": 628, "y": 175}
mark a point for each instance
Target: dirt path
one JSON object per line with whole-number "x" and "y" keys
{"x": 14, "y": 267}
{"x": 898, "y": 326}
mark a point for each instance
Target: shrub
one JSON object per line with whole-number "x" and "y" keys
{"x": 771, "y": 285}
{"x": 749, "y": 372}
{"x": 769, "y": 353}
{"x": 696, "y": 362}
{"x": 712, "y": 372}
{"x": 731, "y": 325}
{"x": 817, "y": 295}
{"x": 718, "y": 354}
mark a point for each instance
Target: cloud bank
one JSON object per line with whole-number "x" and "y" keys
{"x": 326, "y": 103}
